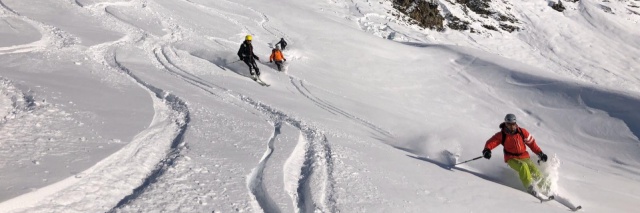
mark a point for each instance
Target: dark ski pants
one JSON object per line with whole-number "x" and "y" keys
{"x": 279, "y": 65}
{"x": 252, "y": 66}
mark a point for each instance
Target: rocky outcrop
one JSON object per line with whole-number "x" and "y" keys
{"x": 425, "y": 13}
{"x": 558, "y": 6}
{"x": 477, "y": 6}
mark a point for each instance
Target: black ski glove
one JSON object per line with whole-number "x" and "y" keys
{"x": 486, "y": 153}
{"x": 543, "y": 156}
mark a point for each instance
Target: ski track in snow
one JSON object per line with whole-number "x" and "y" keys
{"x": 52, "y": 37}
{"x": 263, "y": 23}
{"x": 313, "y": 184}
{"x": 170, "y": 122}
{"x": 317, "y": 166}
{"x": 254, "y": 180}
{"x": 177, "y": 145}
{"x": 333, "y": 110}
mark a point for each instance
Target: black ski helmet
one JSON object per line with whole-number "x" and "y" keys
{"x": 510, "y": 118}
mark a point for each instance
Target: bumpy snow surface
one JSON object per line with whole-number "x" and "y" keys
{"x": 143, "y": 106}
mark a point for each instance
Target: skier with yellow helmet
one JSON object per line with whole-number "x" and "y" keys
{"x": 246, "y": 54}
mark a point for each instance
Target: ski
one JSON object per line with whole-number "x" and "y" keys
{"x": 576, "y": 208}
{"x": 570, "y": 206}
{"x": 262, "y": 82}
{"x": 550, "y": 198}
{"x": 259, "y": 81}
{"x": 541, "y": 198}
{"x": 559, "y": 199}
{"x": 565, "y": 202}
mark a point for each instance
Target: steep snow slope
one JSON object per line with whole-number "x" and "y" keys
{"x": 149, "y": 97}
{"x": 594, "y": 41}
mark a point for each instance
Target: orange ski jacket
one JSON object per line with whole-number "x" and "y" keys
{"x": 276, "y": 55}
{"x": 515, "y": 145}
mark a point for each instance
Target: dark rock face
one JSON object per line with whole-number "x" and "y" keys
{"x": 477, "y": 6}
{"x": 456, "y": 24}
{"x": 425, "y": 13}
{"x": 558, "y": 6}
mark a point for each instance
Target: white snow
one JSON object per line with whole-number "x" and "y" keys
{"x": 142, "y": 106}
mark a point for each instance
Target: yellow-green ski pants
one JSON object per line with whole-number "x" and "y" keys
{"x": 526, "y": 169}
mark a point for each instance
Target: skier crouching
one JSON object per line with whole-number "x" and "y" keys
{"x": 515, "y": 140}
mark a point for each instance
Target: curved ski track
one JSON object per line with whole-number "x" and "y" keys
{"x": 332, "y": 109}
{"x": 318, "y": 163}
{"x": 254, "y": 181}
{"x": 54, "y": 39}
{"x": 177, "y": 146}
{"x": 314, "y": 188}
{"x": 262, "y": 23}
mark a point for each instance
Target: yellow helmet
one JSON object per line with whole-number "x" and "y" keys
{"x": 248, "y": 38}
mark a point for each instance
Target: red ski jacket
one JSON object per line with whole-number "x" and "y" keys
{"x": 515, "y": 145}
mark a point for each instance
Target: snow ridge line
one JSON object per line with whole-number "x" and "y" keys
{"x": 51, "y": 36}
{"x": 177, "y": 145}
{"x": 254, "y": 180}
{"x": 332, "y": 109}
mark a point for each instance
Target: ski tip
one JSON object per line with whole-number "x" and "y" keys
{"x": 577, "y": 208}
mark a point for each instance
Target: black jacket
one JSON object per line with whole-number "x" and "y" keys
{"x": 282, "y": 43}
{"x": 246, "y": 52}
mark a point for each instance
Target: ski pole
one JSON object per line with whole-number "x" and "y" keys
{"x": 476, "y": 158}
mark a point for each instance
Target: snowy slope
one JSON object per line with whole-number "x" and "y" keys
{"x": 141, "y": 106}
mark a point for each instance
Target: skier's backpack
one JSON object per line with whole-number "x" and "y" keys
{"x": 504, "y": 137}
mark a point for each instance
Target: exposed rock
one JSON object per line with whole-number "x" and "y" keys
{"x": 426, "y": 14}
{"x": 558, "y": 6}
{"x": 508, "y": 28}
{"x": 489, "y": 27}
{"x": 456, "y": 24}
{"x": 477, "y": 6}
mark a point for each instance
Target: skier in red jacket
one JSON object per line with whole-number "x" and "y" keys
{"x": 515, "y": 141}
